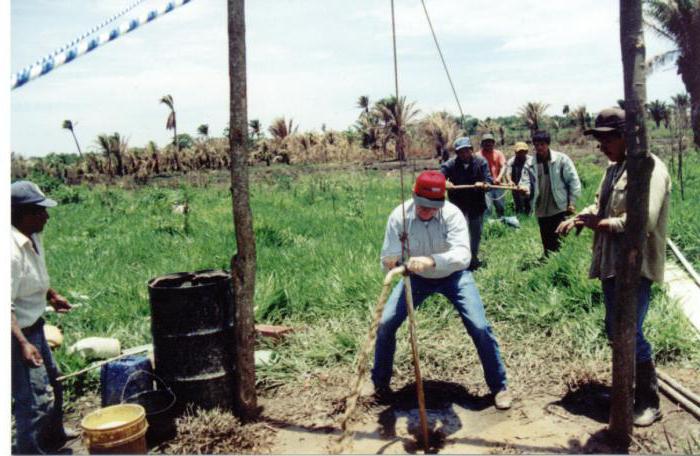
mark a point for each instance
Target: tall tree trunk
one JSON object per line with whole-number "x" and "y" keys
{"x": 695, "y": 118}
{"x": 243, "y": 262}
{"x": 176, "y": 144}
{"x": 80, "y": 153}
{"x": 629, "y": 261}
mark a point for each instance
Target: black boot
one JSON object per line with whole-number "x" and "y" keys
{"x": 646, "y": 395}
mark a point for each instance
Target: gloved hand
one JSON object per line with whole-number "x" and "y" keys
{"x": 420, "y": 264}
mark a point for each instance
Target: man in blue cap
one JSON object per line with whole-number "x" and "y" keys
{"x": 469, "y": 169}
{"x": 37, "y": 395}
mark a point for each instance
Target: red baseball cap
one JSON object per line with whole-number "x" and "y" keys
{"x": 429, "y": 190}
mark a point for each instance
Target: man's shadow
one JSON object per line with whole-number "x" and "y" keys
{"x": 590, "y": 399}
{"x": 440, "y": 398}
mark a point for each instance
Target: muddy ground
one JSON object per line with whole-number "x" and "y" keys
{"x": 567, "y": 418}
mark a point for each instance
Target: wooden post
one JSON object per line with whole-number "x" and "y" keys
{"x": 629, "y": 261}
{"x": 243, "y": 262}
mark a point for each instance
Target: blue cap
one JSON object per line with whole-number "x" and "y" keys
{"x": 26, "y": 193}
{"x": 461, "y": 143}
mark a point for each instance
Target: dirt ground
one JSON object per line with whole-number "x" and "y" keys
{"x": 304, "y": 419}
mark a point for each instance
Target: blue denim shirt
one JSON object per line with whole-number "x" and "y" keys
{"x": 566, "y": 186}
{"x": 445, "y": 238}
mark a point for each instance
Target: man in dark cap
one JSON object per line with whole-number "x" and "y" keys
{"x": 37, "y": 395}
{"x": 437, "y": 259}
{"x": 468, "y": 169}
{"x": 607, "y": 218}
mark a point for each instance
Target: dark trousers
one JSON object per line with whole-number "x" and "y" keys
{"x": 38, "y": 397}
{"x": 548, "y": 226}
{"x": 522, "y": 203}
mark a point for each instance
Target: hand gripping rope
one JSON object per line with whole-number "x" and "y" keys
{"x": 62, "y": 56}
{"x": 344, "y": 440}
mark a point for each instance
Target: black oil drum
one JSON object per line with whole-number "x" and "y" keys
{"x": 192, "y": 327}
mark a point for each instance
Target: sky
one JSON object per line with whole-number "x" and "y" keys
{"x": 310, "y": 60}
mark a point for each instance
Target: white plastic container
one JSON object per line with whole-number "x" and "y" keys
{"x": 96, "y": 347}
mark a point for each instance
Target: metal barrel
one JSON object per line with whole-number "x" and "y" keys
{"x": 192, "y": 327}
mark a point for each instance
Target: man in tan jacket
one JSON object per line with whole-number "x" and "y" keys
{"x": 607, "y": 218}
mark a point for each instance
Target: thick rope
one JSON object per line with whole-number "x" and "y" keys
{"x": 444, "y": 64}
{"x": 399, "y": 143}
{"x": 43, "y": 67}
{"x": 88, "y": 33}
{"x": 345, "y": 439}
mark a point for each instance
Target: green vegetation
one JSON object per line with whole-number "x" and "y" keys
{"x": 318, "y": 239}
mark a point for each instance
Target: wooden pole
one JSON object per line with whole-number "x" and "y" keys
{"x": 416, "y": 364}
{"x": 243, "y": 262}
{"x": 486, "y": 187}
{"x": 629, "y": 260}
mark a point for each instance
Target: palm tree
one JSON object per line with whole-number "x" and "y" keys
{"x": 657, "y": 111}
{"x": 363, "y": 103}
{"x": 171, "y": 124}
{"x": 580, "y": 118}
{"x": 203, "y": 130}
{"x": 621, "y": 103}
{"x": 441, "y": 129}
{"x": 104, "y": 142}
{"x": 532, "y": 114}
{"x": 68, "y": 125}
{"x": 255, "y": 127}
{"x": 368, "y": 126}
{"x": 565, "y": 110}
{"x": 396, "y": 116}
{"x": 679, "y": 21}
{"x": 280, "y": 129}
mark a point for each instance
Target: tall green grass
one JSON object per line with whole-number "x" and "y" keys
{"x": 318, "y": 240}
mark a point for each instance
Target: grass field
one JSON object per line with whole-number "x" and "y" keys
{"x": 318, "y": 239}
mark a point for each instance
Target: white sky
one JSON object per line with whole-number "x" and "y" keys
{"x": 310, "y": 60}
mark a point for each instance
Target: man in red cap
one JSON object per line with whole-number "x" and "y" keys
{"x": 607, "y": 219}
{"x": 436, "y": 255}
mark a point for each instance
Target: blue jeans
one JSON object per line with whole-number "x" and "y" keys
{"x": 495, "y": 200}
{"x": 642, "y": 346}
{"x": 38, "y": 398}
{"x": 460, "y": 288}
{"x": 475, "y": 224}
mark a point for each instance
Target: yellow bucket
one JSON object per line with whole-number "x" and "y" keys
{"x": 118, "y": 429}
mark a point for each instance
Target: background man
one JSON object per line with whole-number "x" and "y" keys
{"x": 468, "y": 169}
{"x": 38, "y": 397}
{"x": 607, "y": 219}
{"x": 497, "y": 167}
{"x": 556, "y": 188}
{"x": 438, "y": 256}
{"x": 521, "y": 163}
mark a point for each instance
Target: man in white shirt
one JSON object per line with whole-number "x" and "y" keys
{"x": 437, "y": 258}
{"x": 38, "y": 397}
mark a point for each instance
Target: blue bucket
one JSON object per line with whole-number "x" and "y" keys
{"x": 117, "y": 379}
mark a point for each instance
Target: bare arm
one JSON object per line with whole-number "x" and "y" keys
{"x": 30, "y": 354}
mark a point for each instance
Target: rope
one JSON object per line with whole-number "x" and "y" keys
{"x": 345, "y": 439}
{"x": 41, "y": 68}
{"x": 427, "y": 16}
{"x": 399, "y": 143}
{"x": 86, "y": 34}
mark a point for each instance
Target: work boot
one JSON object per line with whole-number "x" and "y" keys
{"x": 503, "y": 399}
{"x": 646, "y": 395}
{"x": 379, "y": 394}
